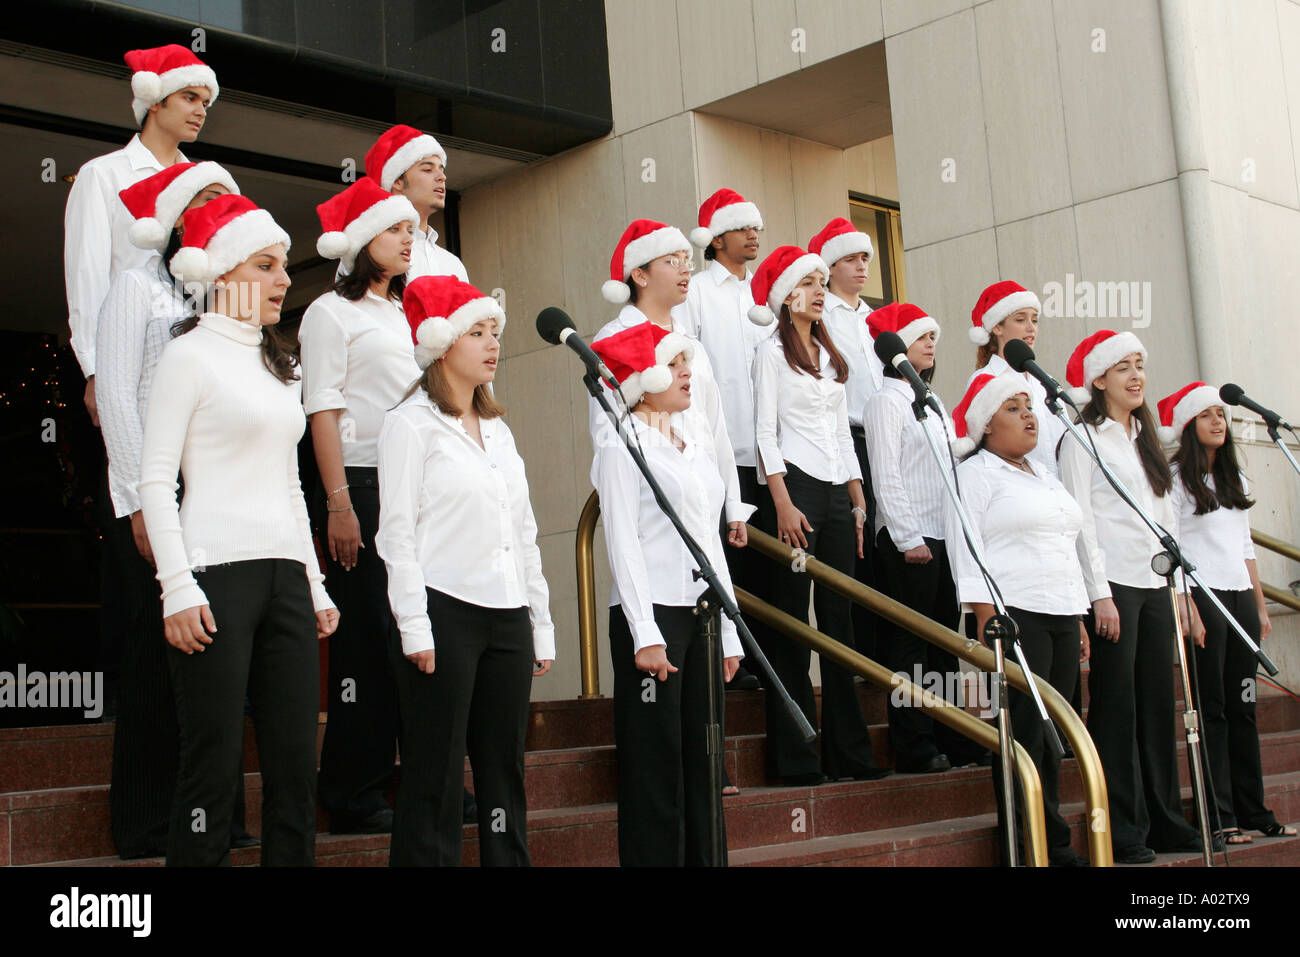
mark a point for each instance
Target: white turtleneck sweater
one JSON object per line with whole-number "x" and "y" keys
{"x": 218, "y": 415}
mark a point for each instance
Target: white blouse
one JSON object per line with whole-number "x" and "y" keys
{"x": 801, "y": 420}
{"x": 1217, "y": 543}
{"x": 358, "y": 357}
{"x": 650, "y": 564}
{"x": 1050, "y": 428}
{"x": 1027, "y": 527}
{"x": 455, "y": 517}
{"x": 909, "y": 487}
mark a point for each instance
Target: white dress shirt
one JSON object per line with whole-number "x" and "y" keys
{"x": 848, "y": 328}
{"x": 1218, "y": 542}
{"x": 909, "y": 487}
{"x": 716, "y": 312}
{"x": 650, "y": 564}
{"x": 134, "y": 325}
{"x": 430, "y": 259}
{"x": 705, "y": 403}
{"x": 455, "y": 517}
{"x": 1050, "y": 428}
{"x": 358, "y": 357}
{"x": 1027, "y": 527}
{"x": 231, "y": 428}
{"x": 1126, "y": 544}
{"x": 96, "y": 246}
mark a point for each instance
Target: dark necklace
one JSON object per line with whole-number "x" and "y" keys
{"x": 1018, "y": 463}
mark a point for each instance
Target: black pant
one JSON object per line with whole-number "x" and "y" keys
{"x": 865, "y": 623}
{"x": 1051, "y": 646}
{"x": 266, "y": 643}
{"x": 659, "y": 732}
{"x": 1131, "y": 720}
{"x": 356, "y": 762}
{"x": 916, "y": 737}
{"x": 1226, "y": 672}
{"x": 846, "y": 743}
{"x": 475, "y": 700}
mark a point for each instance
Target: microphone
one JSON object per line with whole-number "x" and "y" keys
{"x": 1234, "y": 394}
{"x": 555, "y": 326}
{"x": 1020, "y": 357}
{"x": 891, "y": 351}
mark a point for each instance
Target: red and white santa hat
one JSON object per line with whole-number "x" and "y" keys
{"x": 639, "y": 357}
{"x": 982, "y": 399}
{"x": 398, "y": 150}
{"x": 840, "y": 238}
{"x": 357, "y": 215}
{"x": 908, "y": 321}
{"x": 220, "y": 235}
{"x": 161, "y": 71}
{"x": 722, "y": 212}
{"x": 777, "y": 276}
{"x": 157, "y": 201}
{"x": 996, "y": 303}
{"x": 1094, "y": 355}
{"x": 440, "y": 310}
{"x": 1184, "y": 405}
{"x": 642, "y": 241}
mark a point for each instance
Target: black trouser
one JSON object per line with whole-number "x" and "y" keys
{"x": 356, "y": 761}
{"x": 1051, "y": 646}
{"x": 659, "y": 732}
{"x": 1226, "y": 672}
{"x": 865, "y": 630}
{"x": 917, "y": 738}
{"x": 266, "y": 643}
{"x": 1131, "y": 720}
{"x": 846, "y": 742}
{"x": 475, "y": 700}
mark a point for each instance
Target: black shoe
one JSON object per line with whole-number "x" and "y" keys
{"x": 1184, "y": 845}
{"x": 1065, "y": 857}
{"x": 1134, "y": 854}
{"x": 809, "y": 780}
{"x": 873, "y": 774}
{"x": 244, "y": 840}
{"x": 469, "y": 811}
{"x": 376, "y": 822}
{"x": 937, "y": 763}
{"x": 743, "y": 680}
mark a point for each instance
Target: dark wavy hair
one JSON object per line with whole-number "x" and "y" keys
{"x": 1193, "y": 461}
{"x": 352, "y": 285}
{"x": 1150, "y": 454}
{"x": 797, "y": 358}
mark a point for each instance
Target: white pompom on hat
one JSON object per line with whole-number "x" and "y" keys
{"x": 722, "y": 212}
{"x": 1181, "y": 407}
{"x": 644, "y": 240}
{"x": 397, "y": 150}
{"x": 352, "y": 218}
{"x": 158, "y": 201}
{"x": 1094, "y": 355}
{"x": 159, "y": 72}
{"x": 840, "y": 238}
{"x": 982, "y": 399}
{"x": 220, "y": 235}
{"x": 441, "y": 309}
{"x": 777, "y": 276}
{"x": 639, "y": 356}
{"x": 996, "y": 303}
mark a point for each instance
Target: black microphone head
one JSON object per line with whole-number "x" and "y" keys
{"x": 888, "y": 345}
{"x": 1017, "y": 353}
{"x": 551, "y": 321}
{"x": 1231, "y": 393}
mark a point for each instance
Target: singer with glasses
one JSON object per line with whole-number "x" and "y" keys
{"x": 1026, "y": 525}
{"x": 1210, "y": 495}
{"x": 1131, "y": 677}
{"x": 807, "y": 461}
{"x": 910, "y": 534}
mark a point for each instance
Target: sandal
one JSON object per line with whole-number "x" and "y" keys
{"x": 1234, "y": 835}
{"x": 729, "y": 790}
{"x": 1277, "y": 830}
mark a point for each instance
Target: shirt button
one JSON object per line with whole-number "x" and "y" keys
{"x": 494, "y": 465}
{"x": 506, "y": 548}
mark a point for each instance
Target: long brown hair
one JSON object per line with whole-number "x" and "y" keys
{"x": 987, "y": 351}
{"x": 1149, "y": 452}
{"x": 434, "y": 383}
{"x": 353, "y": 285}
{"x": 1193, "y": 461}
{"x": 795, "y": 355}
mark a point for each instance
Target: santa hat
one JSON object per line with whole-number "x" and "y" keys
{"x": 996, "y": 303}
{"x": 357, "y": 215}
{"x": 440, "y": 310}
{"x": 220, "y": 235}
{"x": 840, "y": 238}
{"x": 1184, "y": 405}
{"x": 908, "y": 321}
{"x": 1094, "y": 355}
{"x": 398, "y": 150}
{"x": 984, "y": 397}
{"x": 157, "y": 201}
{"x": 776, "y": 277}
{"x": 160, "y": 72}
{"x": 639, "y": 356}
{"x": 722, "y": 212}
{"x": 642, "y": 241}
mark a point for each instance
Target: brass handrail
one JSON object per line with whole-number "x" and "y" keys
{"x": 1265, "y": 540}
{"x": 584, "y": 547}
{"x": 1280, "y": 596}
{"x": 941, "y": 710}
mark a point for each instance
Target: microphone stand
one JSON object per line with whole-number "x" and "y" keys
{"x": 712, "y": 600}
{"x": 1277, "y": 440}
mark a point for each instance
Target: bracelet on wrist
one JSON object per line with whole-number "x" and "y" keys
{"x": 341, "y": 488}
{"x": 345, "y": 508}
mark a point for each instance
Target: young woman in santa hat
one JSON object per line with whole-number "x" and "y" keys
{"x": 243, "y": 597}
{"x": 457, "y": 533}
{"x": 1210, "y": 495}
{"x": 1026, "y": 525}
{"x": 1131, "y": 680}
{"x": 663, "y": 762}
{"x": 806, "y": 458}
{"x": 910, "y": 536}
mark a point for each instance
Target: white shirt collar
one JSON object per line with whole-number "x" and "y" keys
{"x": 141, "y": 157}
{"x": 720, "y": 273}
{"x": 991, "y": 460}
{"x": 835, "y": 302}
